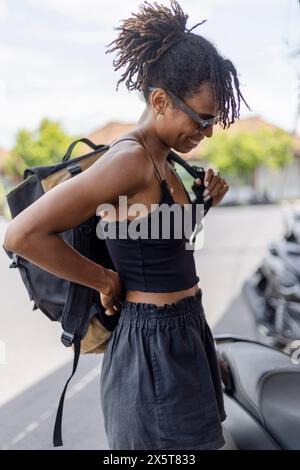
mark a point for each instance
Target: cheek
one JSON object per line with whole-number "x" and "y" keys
{"x": 184, "y": 131}
{"x": 180, "y": 128}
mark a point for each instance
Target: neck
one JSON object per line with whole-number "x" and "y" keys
{"x": 158, "y": 149}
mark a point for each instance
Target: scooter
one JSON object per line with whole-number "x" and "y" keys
{"x": 273, "y": 291}
{"x": 261, "y": 395}
{"x": 292, "y": 232}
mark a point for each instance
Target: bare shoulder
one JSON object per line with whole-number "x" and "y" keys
{"x": 127, "y": 165}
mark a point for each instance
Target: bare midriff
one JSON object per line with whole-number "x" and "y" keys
{"x": 160, "y": 298}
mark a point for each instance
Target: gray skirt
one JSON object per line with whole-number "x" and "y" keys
{"x": 160, "y": 383}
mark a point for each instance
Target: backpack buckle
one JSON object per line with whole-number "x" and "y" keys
{"x": 74, "y": 169}
{"x": 15, "y": 262}
{"x": 67, "y": 339}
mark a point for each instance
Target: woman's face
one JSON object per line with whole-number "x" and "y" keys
{"x": 177, "y": 129}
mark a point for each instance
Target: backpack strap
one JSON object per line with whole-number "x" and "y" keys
{"x": 148, "y": 153}
{"x": 85, "y": 141}
{"x": 57, "y": 434}
{"x": 196, "y": 172}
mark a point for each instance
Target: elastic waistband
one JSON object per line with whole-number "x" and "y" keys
{"x": 181, "y": 306}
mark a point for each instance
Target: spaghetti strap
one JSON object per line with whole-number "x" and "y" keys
{"x": 130, "y": 138}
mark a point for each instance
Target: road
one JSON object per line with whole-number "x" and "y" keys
{"x": 36, "y": 365}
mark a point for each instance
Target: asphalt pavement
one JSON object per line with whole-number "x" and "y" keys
{"x": 34, "y": 364}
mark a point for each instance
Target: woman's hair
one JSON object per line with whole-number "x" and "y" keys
{"x": 155, "y": 45}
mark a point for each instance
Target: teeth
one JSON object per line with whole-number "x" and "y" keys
{"x": 194, "y": 142}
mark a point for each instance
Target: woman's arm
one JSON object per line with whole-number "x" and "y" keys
{"x": 33, "y": 233}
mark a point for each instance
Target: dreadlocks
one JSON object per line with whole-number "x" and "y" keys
{"x": 155, "y": 45}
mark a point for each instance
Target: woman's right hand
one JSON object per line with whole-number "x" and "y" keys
{"x": 111, "y": 296}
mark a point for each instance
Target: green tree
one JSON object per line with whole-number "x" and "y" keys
{"x": 237, "y": 155}
{"x": 44, "y": 146}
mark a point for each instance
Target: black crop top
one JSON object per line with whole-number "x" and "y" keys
{"x": 155, "y": 263}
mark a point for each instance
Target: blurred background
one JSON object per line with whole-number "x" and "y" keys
{"x": 57, "y": 85}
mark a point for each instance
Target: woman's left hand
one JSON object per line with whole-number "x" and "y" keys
{"x": 216, "y": 186}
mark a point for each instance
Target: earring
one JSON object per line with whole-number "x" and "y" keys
{"x": 159, "y": 115}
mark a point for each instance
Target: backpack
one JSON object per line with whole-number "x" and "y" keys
{"x": 86, "y": 327}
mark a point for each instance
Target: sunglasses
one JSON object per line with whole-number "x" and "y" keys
{"x": 203, "y": 123}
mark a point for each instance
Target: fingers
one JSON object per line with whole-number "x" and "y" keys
{"x": 110, "y": 311}
{"x": 224, "y": 189}
{"x": 214, "y": 184}
{"x": 210, "y": 181}
{"x": 113, "y": 310}
{"x": 112, "y": 301}
{"x": 208, "y": 177}
{"x": 217, "y": 186}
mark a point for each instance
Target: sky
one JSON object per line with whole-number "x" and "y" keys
{"x": 53, "y": 62}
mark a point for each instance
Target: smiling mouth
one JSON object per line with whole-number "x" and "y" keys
{"x": 194, "y": 142}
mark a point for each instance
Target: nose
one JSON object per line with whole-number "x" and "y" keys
{"x": 208, "y": 132}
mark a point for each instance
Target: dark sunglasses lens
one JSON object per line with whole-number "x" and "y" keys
{"x": 205, "y": 125}
{"x": 210, "y": 122}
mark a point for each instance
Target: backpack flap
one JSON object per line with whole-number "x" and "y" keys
{"x": 99, "y": 330}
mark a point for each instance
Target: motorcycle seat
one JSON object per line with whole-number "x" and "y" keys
{"x": 266, "y": 383}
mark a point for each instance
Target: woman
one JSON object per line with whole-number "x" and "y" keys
{"x": 160, "y": 381}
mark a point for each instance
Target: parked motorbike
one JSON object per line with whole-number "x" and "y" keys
{"x": 261, "y": 395}
{"x": 273, "y": 291}
{"x": 292, "y": 232}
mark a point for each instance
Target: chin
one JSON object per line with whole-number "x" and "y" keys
{"x": 184, "y": 149}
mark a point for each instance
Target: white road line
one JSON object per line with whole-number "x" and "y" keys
{"x": 31, "y": 427}
{"x": 80, "y": 385}
{"x": 46, "y": 414}
{"x": 19, "y": 437}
